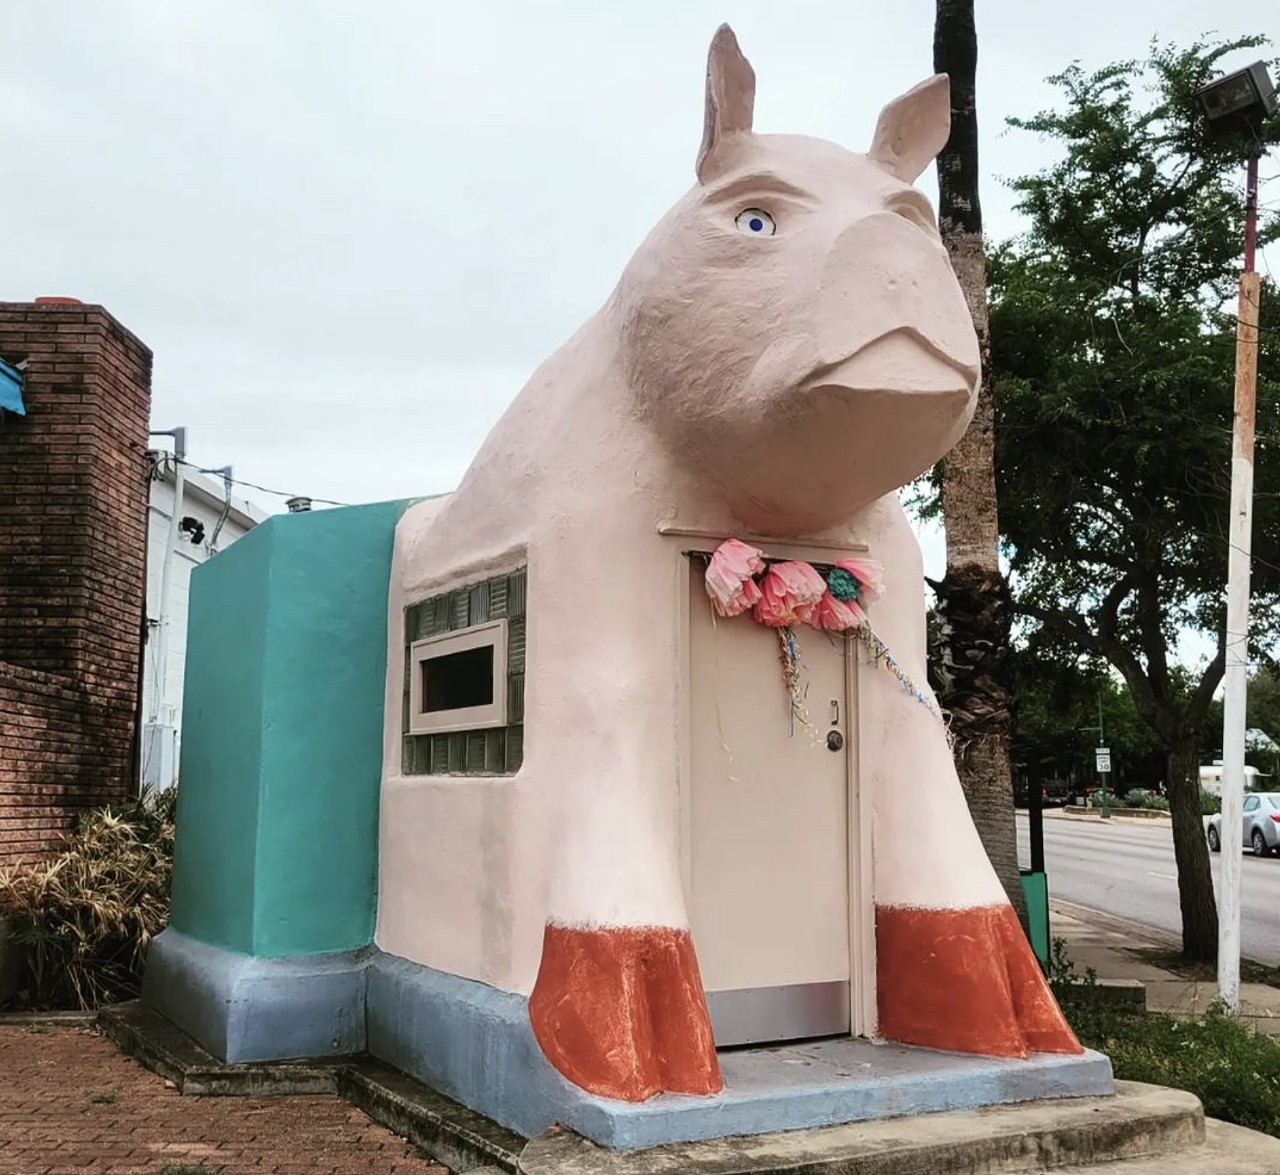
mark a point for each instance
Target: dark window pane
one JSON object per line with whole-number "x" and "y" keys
{"x": 458, "y": 680}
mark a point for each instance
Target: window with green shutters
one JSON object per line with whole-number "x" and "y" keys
{"x": 492, "y": 750}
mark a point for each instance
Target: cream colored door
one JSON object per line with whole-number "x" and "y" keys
{"x": 769, "y": 830}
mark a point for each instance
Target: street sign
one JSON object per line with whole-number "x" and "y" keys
{"x": 1104, "y": 760}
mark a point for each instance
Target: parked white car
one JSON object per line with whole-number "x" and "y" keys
{"x": 1261, "y": 828}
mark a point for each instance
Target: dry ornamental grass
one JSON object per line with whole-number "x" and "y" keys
{"x": 87, "y": 916}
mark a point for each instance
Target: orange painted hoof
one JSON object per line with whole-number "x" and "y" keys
{"x": 965, "y": 981}
{"x": 621, "y": 1013}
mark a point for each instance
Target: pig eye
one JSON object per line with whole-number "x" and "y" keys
{"x": 755, "y": 222}
{"x": 916, "y": 209}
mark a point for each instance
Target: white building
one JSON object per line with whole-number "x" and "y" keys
{"x": 210, "y": 518}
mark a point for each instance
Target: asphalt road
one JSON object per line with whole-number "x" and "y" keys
{"x": 1125, "y": 868}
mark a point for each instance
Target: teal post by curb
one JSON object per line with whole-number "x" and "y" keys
{"x": 282, "y": 742}
{"x": 1035, "y": 891}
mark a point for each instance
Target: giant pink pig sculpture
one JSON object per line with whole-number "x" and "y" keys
{"x": 786, "y": 348}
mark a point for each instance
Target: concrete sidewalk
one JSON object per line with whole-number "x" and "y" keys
{"x": 1112, "y": 947}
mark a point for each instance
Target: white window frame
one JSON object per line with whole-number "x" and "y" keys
{"x": 494, "y": 634}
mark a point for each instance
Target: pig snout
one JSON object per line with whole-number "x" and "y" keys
{"x": 889, "y": 314}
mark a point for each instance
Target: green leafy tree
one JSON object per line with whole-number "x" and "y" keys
{"x": 1112, "y": 323}
{"x": 1264, "y": 701}
{"x": 1060, "y": 702}
{"x": 1263, "y": 713}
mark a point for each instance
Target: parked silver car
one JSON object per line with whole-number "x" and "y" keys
{"x": 1261, "y": 831}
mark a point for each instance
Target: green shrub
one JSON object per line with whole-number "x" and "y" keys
{"x": 86, "y": 917}
{"x": 1138, "y": 798}
{"x": 1233, "y": 1069}
{"x": 1062, "y": 975}
{"x": 1210, "y": 805}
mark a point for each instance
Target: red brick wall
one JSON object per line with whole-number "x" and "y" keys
{"x": 73, "y": 501}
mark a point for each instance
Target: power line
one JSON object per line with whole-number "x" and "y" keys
{"x": 261, "y": 489}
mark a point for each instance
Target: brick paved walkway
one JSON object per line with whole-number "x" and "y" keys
{"x": 72, "y": 1104}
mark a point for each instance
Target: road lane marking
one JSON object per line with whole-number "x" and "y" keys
{"x": 1166, "y": 876}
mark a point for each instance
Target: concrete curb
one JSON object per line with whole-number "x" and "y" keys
{"x": 166, "y": 1050}
{"x": 458, "y": 1137}
{"x": 1139, "y": 1121}
{"x": 1227, "y": 1150}
{"x": 63, "y": 1019}
{"x": 1129, "y": 995}
{"x": 1076, "y": 812}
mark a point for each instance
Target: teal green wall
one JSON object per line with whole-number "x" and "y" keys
{"x": 282, "y": 735}
{"x": 220, "y": 773}
{"x": 323, "y": 707}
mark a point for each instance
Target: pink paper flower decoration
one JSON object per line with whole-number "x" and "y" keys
{"x": 870, "y": 577}
{"x": 730, "y": 582}
{"x": 789, "y": 594}
{"x": 837, "y": 615}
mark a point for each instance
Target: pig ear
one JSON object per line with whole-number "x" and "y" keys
{"x": 913, "y": 128}
{"x": 731, "y": 99}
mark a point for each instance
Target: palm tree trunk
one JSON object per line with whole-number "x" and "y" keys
{"x": 973, "y": 597}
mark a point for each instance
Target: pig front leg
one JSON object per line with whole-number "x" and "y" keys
{"x": 619, "y": 1010}
{"x": 954, "y": 969}
{"x": 618, "y": 1006}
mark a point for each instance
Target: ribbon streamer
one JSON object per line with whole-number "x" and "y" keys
{"x": 794, "y": 591}
{"x": 881, "y": 656}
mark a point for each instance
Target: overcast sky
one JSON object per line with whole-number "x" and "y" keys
{"x": 350, "y": 230}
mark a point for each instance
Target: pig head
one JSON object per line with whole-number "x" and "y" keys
{"x": 793, "y": 329}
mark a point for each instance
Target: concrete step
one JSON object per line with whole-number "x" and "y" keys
{"x": 153, "y": 1041}
{"x": 1097, "y": 1133}
{"x": 1226, "y": 1150}
{"x": 450, "y": 1133}
{"x": 1143, "y": 1130}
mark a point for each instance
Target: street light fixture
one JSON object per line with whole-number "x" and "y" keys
{"x": 1239, "y": 103}
{"x": 1245, "y": 97}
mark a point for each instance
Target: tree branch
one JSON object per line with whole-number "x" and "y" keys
{"x": 1198, "y": 707}
{"x": 1061, "y": 623}
{"x": 1152, "y": 705}
{"x": 1109, "y": 609}
{"x": 1151, "y": 633}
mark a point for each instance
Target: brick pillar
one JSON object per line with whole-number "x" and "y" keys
{"x": 73, "y": 503}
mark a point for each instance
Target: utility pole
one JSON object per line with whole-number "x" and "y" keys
{"x": 165, "y": 622}
{"x": 1237, "y": 667}
{"x": 1240, "y": 102}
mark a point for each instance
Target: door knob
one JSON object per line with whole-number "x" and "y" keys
{"x": 835, "y": 740}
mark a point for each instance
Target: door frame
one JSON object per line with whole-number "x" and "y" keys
{"x": 861, "y": 904}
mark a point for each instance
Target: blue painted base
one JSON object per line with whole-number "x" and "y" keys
{"x": 474, "y": 1044}
{"x": 243, "y": 1008}
{"x": 470, "y": 1041}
